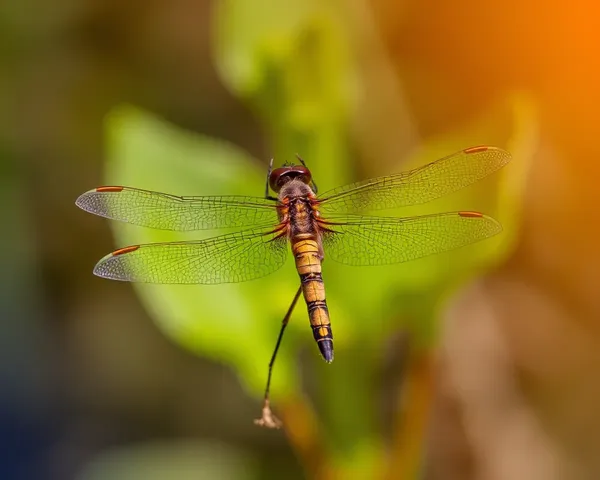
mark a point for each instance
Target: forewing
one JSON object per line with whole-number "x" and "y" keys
{"x": 236, "y": 257}
{"x": 170, "y": 212}
{"x": 362, "y": 241}
{"x": 416, "y": 186}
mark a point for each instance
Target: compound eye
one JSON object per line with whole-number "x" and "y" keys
{"x": 276, "y": 177}
{"x": 303, "y": 174}
{"x": 280, "y": 176}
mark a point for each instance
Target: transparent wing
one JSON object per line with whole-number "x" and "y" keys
{"x": 236, "y": 257}
{"x": 416, "y": 186}
{"x": 362, "y": 241}
{"x": 169, "y": 212}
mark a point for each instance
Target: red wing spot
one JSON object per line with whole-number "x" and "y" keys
{"x": 109, "y": 189}
{"x": 481, "y": 148}
{"x": 470, "y": 214}
{"x": 124, "y": 250}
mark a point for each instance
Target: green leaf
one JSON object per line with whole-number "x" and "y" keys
{"x": 236, "y": 324}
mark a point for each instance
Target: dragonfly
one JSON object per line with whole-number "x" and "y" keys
{"x": 298, "y": 221}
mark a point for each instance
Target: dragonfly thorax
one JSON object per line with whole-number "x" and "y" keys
{"x": 299, "y": 210}
{"x": 295, "y": 189}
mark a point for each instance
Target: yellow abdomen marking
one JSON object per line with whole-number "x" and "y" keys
{"x": 308, "y": 263}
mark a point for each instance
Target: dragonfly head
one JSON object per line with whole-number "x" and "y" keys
{"x": 280, "y": 176}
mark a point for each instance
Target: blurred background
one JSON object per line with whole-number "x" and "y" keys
{"x": 480, "y": 364}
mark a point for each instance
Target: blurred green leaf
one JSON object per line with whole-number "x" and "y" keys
{"x": 233, "y": 323}
{"x": 293, "y": 65}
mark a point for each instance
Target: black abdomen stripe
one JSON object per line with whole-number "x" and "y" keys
{"x": 314, "y": 304}
{"x": 311, "y": 277}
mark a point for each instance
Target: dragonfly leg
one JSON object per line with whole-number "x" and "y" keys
{"x": 267, "y": 182}
{"x": 313, "y": 184}
{"x": 268, "y": 419}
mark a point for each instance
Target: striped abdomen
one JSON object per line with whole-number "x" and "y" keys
{"x": 308, "y": 263}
